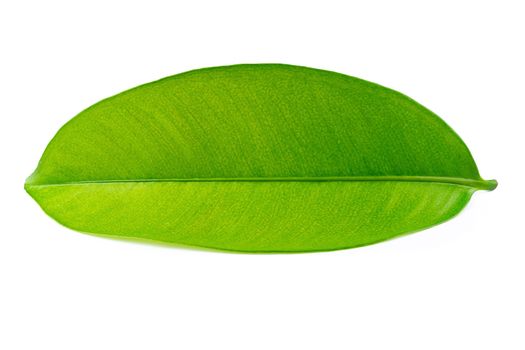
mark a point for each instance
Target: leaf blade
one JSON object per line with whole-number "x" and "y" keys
{"x": 266, "y": 126}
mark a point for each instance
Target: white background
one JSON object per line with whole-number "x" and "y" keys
{"x": 456, "y": 286}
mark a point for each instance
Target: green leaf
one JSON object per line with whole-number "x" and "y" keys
{"x": 260, "y": 158}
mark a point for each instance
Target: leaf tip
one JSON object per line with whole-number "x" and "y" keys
{"x": 491, "y": 185}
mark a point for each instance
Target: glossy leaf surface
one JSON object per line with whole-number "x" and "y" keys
{"x": 256, "y": 158}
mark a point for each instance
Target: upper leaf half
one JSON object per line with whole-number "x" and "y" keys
{"x": 254, "y": 121}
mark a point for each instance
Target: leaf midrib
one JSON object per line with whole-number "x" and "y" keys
{"x": 476, "y": 184}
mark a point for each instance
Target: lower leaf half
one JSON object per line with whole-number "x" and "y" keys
{"x": 253, "y": 216}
